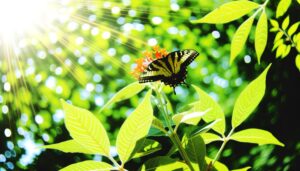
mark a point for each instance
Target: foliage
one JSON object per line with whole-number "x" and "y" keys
{"x": 87, "y": 59}
{"x": 131, "y": 137}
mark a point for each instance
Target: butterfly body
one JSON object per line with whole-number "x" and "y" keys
{"x": 171, "y": 69}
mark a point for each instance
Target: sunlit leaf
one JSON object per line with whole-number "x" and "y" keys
{"x": 163, "y": 163}
{"x": 278, "y": 36}
{"x": 206, "y": 102}
{"x": 86, "y": 129}
{"x": 228, "y": 12}
{"x": 210, "y": 137}
{"x": 70, "y": 146}
{"x": 261, "y": 35}
{"x": 125, "y": 93}
{"x": 191, "y": 118}
{"x": 274, "y": 23}
{"x": 135, "y": 127}
{"x": 287, "y": 51}
{"x": 218, "y": 166}
{"x": 256, "y": 136}
{"x": 239, "y": 38}
{"x": 280, "y": 50}
{"x": 145, "y": 147}
{"x": 293, "y": 28}
{"x": 282, "y": 7}
{"x": 286, "y": 23}
{"x": 156, "y": 123}
{"x": 88, "y": 165}
{"x": 204, "y": 129}
{"x": 196, "y": 151}
{"x": 297, "y": 62}
{"x": 249, "y": 99}
{"x": 242, "y": 169}
{"x": 278, "y": 43}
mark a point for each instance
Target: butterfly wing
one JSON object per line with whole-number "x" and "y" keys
{"x": 170, "y": 69}
{"x": 156, "y": 70}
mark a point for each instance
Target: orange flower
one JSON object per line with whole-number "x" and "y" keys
{"x": 143, "y": 62}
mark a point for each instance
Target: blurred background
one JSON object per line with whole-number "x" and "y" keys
{"x": 83, "y": 51}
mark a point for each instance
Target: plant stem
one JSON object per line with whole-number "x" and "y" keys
{"x": 114, "y": 161}
{"x": 226, "y": 139}
{"x": 171, "y": 133}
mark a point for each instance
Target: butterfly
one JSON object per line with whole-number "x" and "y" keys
{"x": 170, "y": 69}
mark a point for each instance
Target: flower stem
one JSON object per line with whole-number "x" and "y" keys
{"x": 226, "y": 139}
{"x": 171, "y": 133}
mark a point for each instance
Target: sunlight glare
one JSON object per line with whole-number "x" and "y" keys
{"x": 19, "y": 17}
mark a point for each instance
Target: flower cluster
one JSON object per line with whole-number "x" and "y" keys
{"x": 148, "y": 57}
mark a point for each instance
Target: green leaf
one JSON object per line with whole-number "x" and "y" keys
{"x": 88, "y": 165}
{"x": 297, "y": 62}
{"x": 256, "y": 136}
{"x": 274, "y": 23}
{"x": 261, "y": 35}
{"x": 70, "y": 146}
{"x": 210, "y": 137}
{"x": 249, "y": 99}
{"x": 298, "y": 2}
{"x": 156, "y": 123}
{"x": 280, "y": 50}
{"x": 125, "y": 93}
{"x": 145, "y": 147}
{"x": 278, "y": 36}
{"x": 135, "y": 127}
{"x": 282, "y": 7}
{"x": 218, "y": 166}
{"x": 163, "y": 163}
{"x": 287, "y": 51}
{"x": 293, "y": 29}
{"x": 205, "y": 128}
{"x": 206, "y": 102}
{"x": 286, "y": 23}
{"x": 189, "y": 117}
{"x": 278, "y": 43}
{"x": 86, "y": 129}
{"x": 239, "y": 38}
{"x": 196, "y": 151}
{"x": 228, "y": 12}
{"x": 242, "y": 169}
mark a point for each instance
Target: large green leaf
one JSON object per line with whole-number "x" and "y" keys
{"x": 163, "y": 163}
{"x": 256, "y": 136}
{"x": 210, "y": 137}
{"x": 70, "y": 146}
{"x": 88, "y": 165}
{"x": 282, "y": 7}
{"x": 145, "y": 147}
{"x": 86, "y": 129}
{"x": 135, "y": 127}
{"x": 228, "y": 12}
{"x": 196, "y": 151}
{"x": 206, "y": 102}
{"x": 239, "y": 38}
{"x": 249, "y": 99}
{"x": 261, "y": 35}
{"x": 125, "y": 93}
